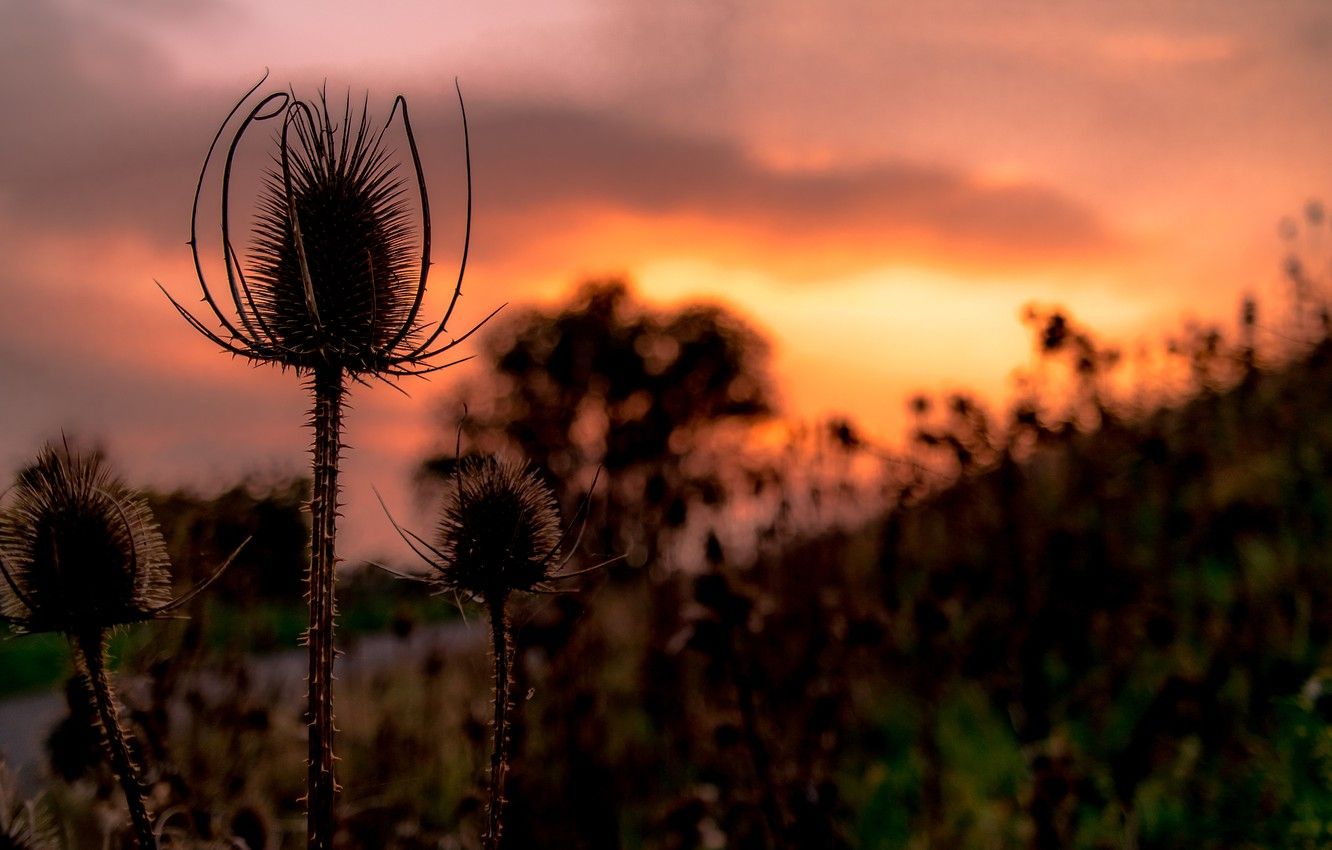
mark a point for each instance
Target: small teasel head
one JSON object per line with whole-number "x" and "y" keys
{"x": 499, "y": 530}
{"x": 79, "y": 551}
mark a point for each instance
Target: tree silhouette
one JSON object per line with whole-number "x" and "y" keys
{"x": 604, "y": 380}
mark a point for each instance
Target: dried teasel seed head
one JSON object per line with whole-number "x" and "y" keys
{"x": 334, "y": 215}
{"x": 334, "y": 276}
{"x": 499, "y": 531}
{"x": 80, "y": 551}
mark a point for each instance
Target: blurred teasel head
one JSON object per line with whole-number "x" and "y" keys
{"x": 79, "y": 551}
{"x": 337, "y": 270}
{"x": 24, "y": 825}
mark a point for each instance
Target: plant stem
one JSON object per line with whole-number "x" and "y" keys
{"x": 758, "y": 752}
{"x": 499, "y": 756}
{"x": 321, "y": 785}
{"x": 90, "y": 650}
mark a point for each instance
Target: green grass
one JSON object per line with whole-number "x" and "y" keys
{"x": 35, "y": 662}
{"x": 38, "y": 662}
{"x": 31, "y": 662}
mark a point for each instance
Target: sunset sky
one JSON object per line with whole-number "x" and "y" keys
{"x": 877, "y": 186}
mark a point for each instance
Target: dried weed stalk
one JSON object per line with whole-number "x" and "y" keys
{"x": 333, "y": 288}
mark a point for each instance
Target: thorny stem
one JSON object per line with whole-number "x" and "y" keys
{"x": 90, "y": 649}
{"x": 499, "y": 756}
{"x": 321, "y": 785}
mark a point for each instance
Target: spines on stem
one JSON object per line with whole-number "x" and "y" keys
{"x": 328, "y": 391}
{"x": 90, "y": 650}
{"x": 499, "y": 755}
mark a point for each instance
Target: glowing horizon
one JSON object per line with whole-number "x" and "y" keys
{"x": 878, "y": 190}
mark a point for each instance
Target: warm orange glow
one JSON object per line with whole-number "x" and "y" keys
{"x": 878, "y": 188}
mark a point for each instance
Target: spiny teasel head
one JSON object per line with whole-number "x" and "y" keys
{"x": 337, "y": 271}
{"x": 499, "y": 531}
{"x": 334, "y": 213}
{"x": 79, "y": 551}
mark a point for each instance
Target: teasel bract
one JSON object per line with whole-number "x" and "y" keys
{"x": 81, "y": 554}
{"x": 498, "y": 533}
{"x": 334, "y": 290}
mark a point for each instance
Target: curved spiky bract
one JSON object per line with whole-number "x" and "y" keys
{"x": 80, "y": 550}
{"x": 499, "y": 531}
{"x": 337, "y": 272}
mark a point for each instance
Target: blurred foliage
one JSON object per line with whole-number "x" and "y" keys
{"x": 605, "y": 381}
{"x": 202, "y": 531}
{"x": 1142, "y": 599}
{"x": 254, "y": 607}
{"x": 1101, "y": 620}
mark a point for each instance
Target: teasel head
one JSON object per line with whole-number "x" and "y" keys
{"x": 337, "y": 271}
{"x": 79, "y": 551}
{"x": 499, "y": 530}
{"x": 498, "y": 533}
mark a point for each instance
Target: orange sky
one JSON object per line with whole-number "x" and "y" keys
{"x": 879, "y": 187}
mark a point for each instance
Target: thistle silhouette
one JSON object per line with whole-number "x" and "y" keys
{"x": 81, "y": 554}
{"x": 498, "y": 533}
{"x": 334, "y": 290}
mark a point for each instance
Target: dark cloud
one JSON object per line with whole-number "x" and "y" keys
{"x": 97, "y": 135}
{"x": 102, "y": 138}
{"x": 542, "y": 161}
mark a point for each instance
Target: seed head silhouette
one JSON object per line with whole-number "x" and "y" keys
{"x": 334, "y": 279}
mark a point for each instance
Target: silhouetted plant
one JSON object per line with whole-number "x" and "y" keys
{"x": 498, "y": 534}
{"x": 724, "y": 614}
{"x": 81, "y": 554}
{"x": 1306, "y": 268}
{"x": 334, "y": 291}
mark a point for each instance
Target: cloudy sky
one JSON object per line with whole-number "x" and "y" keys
{"x": 879, "y": 186}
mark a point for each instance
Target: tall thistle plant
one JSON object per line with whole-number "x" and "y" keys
{"x": 498, "y": 534}
{"x": 332, "y": 288}
{"x": 81, "y": 554}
